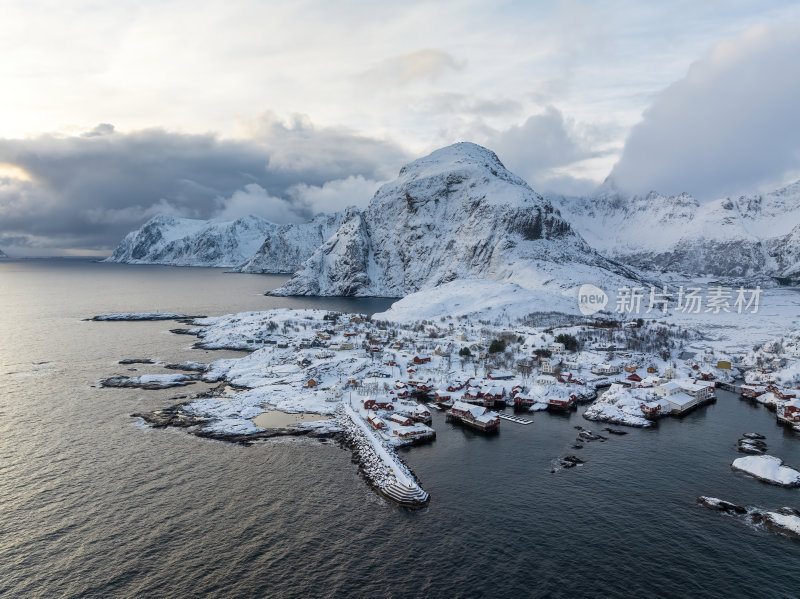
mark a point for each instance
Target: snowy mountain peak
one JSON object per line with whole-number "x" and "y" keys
{"x": 464, "y": 157}
{"x": 3, "y": 254}
{"x": 457, "y": 213}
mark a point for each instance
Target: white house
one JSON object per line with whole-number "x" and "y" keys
{"x": 549, "y": 366}
{"x": 605, "y": 369}
{"x": 684, "y": 394}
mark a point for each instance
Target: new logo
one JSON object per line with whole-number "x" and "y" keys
{"x": 591, "y": 299}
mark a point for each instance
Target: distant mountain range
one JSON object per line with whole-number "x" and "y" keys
{"x": 3, "y": 255}
{"x": 458, "y": 213}
{"x": 250, "y": 244}
{"x": 731, "y": 237}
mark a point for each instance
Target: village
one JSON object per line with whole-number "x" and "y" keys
{"x": 380, "y": 382}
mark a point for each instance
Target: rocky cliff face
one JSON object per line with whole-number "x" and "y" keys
{"x": 288, "y": 246}
{"x": 455, "y": 214}
{"x": 250, "y": 243}
{"x": 747, "y": 236}
{"x": 785, "y": 252}
{"x": 188, "y": 242}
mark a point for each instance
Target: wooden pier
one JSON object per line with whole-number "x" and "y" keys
{"x": 516, "y": 419}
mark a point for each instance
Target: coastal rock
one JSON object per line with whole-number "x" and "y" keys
{"x": 756, "y": 436}
{"x": 768, "y": 469}
{"x": 570, "y": 461}
{"x": 188, "y": 366}
{"x": 786, "y": 524}
{"x": 127, "y": 361}
{"x": 141, "y": 316}
{"x": 752, "y": 446}
{"x": 177, "y": 416}
{"x": 182, "y": 416}
{"x": 721, "y": 505}
{"x": 150, "y": 381}
{"x": 615, "y": 431}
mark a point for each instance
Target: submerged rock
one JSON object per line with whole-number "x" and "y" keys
{"x": 590, "y": 436}
{"x": 570, "y": 461}
{"x": 714, "y": 503}
{"x": 753, "y": 436}
{"x": 615, "y": 431}
{"x": 752, "y": 446}
{"x": 137, "y": 361}
{"x": 188, "y": 366}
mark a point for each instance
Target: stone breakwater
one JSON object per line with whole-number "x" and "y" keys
{"x": 380, "y": 465}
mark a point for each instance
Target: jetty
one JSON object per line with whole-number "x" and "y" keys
{"x": 387, "y": 474}
{"x": 517, "y": 419}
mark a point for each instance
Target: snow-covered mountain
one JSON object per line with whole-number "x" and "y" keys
{"x": 785, "y": 251}
{"x": 731, "y": 237}
{"x": 287, "y": 246}
{"x": 190, "y": 242}
{"x": 252, "y": 244}
{"x": 455, "y": 214}
{"x": 3, "y": 255}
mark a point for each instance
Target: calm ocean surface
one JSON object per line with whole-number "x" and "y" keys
{"x": 92, "y": 504}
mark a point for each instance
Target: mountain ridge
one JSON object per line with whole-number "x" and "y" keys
{"x": 745, "y": 236}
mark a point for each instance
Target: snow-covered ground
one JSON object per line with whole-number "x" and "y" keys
{"x": 478, "y": 299}
{"x": 619, "y": 405}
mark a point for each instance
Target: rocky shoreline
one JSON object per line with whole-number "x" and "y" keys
{"x": 177, "y": 416}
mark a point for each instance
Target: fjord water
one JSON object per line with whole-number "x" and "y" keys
{"x": 93, "y": 504}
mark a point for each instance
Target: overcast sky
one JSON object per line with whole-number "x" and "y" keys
{"x": 111, "y": 113}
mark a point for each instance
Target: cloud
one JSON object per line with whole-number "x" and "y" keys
{"x": 428, "y": 64}
{"x": 544, "y": 146}
{"x": 727, "y": 127}
{"x": 254, "y": 199}
{"x": 335, "y": 195}
{"x": 323, "y": 153}
{"x": 86, "y": 192}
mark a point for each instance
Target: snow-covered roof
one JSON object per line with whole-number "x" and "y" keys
{"x": 680, "y": 399}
